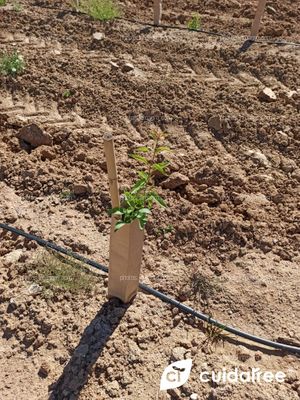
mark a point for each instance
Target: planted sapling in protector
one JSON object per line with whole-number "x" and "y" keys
{"x": 139, "y": 200}
{"x": 131, "y": 214}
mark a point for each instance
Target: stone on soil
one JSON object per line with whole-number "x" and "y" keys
{"x": 267, "y": 95}
{"x": 175, "y": 180}
{"x": 35, "y": 136}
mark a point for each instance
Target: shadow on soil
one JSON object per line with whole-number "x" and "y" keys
{"x": 89, "y": 349}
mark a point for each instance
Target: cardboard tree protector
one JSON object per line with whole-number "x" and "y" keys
{"x": 126, "y": 244}
{"x": 157, "y": 8}
{"x": 257, "y": 19}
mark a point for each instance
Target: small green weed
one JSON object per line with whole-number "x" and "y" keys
{"x": 2, "y": 3}
{"x": 103, "y": 10}
{"x": 67, "y": 93}
{"x": 194, "y": 23}
{"x": 163, "y": 230}
{"x": 67, "y": 194}
{"x": 11, "y": 63}
{"x": 214, "y": 336}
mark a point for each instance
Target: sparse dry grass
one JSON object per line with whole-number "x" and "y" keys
{"x": 103, "y": 10}
{"x": 55, "y": 272}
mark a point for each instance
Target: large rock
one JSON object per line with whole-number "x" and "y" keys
{"x": 35, "y": 136}
{"x": 175, "y": 180}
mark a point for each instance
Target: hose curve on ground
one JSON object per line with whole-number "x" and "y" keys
{"x": 158, "y": 294}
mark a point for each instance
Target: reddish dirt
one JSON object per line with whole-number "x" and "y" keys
{"x": 234, "y": 225}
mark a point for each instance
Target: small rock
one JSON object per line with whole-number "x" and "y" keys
{"x": 34, "y": 135}
{"x": 165, "y": 244}
{"x": 258, "y": 356}
{"x": 113, "y": 388}
{"x": 296, "y": 174}
{"x": 98, "y": 35}
{"x": 267, "y": 95}
{"x": 127, "y": 67}
{"x": 12, "y": 306}
{"x": 287, "y": 164}
{"x": 34, "y": 289}
{"x": 80, "y": 156}
{"x": 275, "y": 31}
{"x": 281, "y": 138}
{"x": 114, "y": 66}
{"x": 244, "y": 355}
{"x": 80, "y": 188}
{"x": 178, "y": 353}
{"x": 177, "y": 319}
{"x": 46, "y": 327}
{"x": 12, "y": 257}
{"x": 259, "y": 157}
{"x": 175, "y": 180}
{"x": 215, "y": 123}
{"x": 194, "y": 396}
{"x": 44, "y": 370}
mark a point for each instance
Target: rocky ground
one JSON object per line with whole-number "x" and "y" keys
{"x": 227, "y": 245}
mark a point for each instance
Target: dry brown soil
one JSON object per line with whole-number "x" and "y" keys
{"x": 232, "y": 226}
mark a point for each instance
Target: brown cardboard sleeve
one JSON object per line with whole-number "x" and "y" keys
{"x": 126, "y": 248}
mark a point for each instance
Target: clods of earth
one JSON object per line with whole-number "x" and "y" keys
{"x": 227, "y": 245}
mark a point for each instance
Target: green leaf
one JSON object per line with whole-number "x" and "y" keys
{"x": 129, "y": 198}
{"x": 143, "y": 175}
{"x": 140, "y": 184}
{"x": 118, "y": 213}
{"x": 114, "y": 210}
{"x": 143, "y": 149}
{"x": 119, "y": 225}
{"x": 161, "y": 149}
{"x": 160, "y": 167}
{"x": 145, "y": 211}
{"x": 142, "y": 223}
{"x": 158, "y": 199}
{"x": 139, "y": 158}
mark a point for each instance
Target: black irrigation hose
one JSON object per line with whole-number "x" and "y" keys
{"x": 183, "y": 28}
{"x": 212, "y": 33}
{"x": 53, "y": 246}
{"x": 156, "y": 293}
